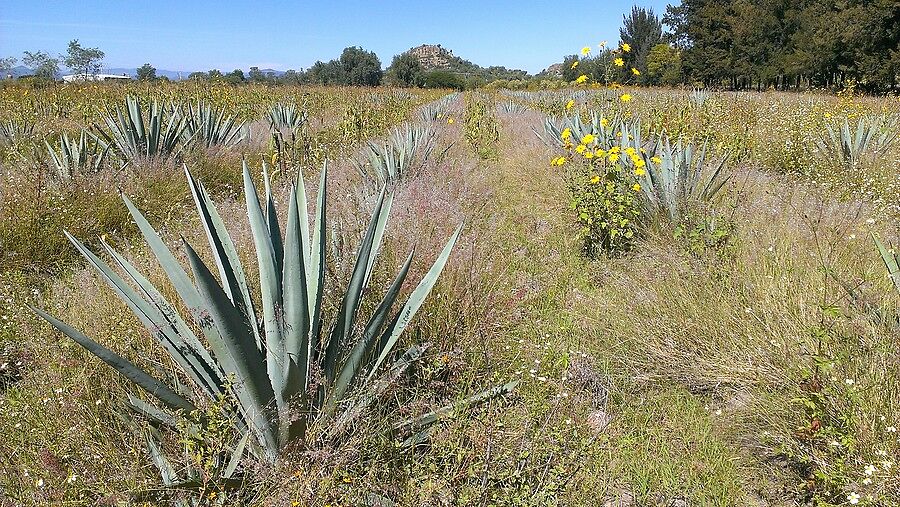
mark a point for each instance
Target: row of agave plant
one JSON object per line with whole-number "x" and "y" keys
{"x": 135, "y": 133}
{"x": 407, "y": 148}
{"x": 274, "y": 370}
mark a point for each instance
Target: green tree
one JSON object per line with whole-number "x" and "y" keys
{"x": 443, "y": 79}
{"x": 331, "y": 73}
{"x": 81, "y": 60}
{"x": 663, "y": 66}
{"x": 198, "y": 76}
{"x": 290, "y": 76}
{"x": 235, "y": 77}
{"x": 642, "y": 30}
{"x": 6, "y": 66}
{"x": 256, "y": 76}
{"x": 41, "y": 64}
{"x": 214, "y": 75}
{"x": 361, "y": 67}
{"x": 405, "y": 70}
{"x": 146, "y": 72}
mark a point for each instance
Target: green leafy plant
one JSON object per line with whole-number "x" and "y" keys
{"x": 703, "y": 231}
{"x": 87, "y": 155}
{"x": 481, "y": 128}
{"x": 161, "y": 135}
{"x": 606, "y": 208}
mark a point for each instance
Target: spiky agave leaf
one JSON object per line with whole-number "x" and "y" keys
{"x": 891, "y": 259}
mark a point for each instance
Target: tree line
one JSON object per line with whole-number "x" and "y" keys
{"x": 755, "y": 44}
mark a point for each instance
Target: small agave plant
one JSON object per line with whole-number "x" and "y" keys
{"x": 871, "y": 135}
{"x": 680, "y": 175}
{"x": 160, "y": 135}
{"x": 438, "y": 109}
{"x": 280, "y": 363}
{"x": 286, "y": 116}
{"x": 205, "y": 123}
{"x": 85, "y": 155}
{"x": 393, "y": 159}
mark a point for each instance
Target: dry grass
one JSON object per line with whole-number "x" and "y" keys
{"x": 652, "y": 379}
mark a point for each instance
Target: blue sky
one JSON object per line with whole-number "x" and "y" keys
{"x": 200, "y": 35}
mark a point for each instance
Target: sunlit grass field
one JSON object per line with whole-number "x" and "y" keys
{"x": 737, "y": 348}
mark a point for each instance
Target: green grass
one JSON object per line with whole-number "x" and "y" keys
{"x": 671, "y": 374}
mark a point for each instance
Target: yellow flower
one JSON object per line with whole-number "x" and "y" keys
{"x": 614, "y": 158}
{"x": 600, "y": 153}
{"x": 570, "y": 104}
{"x": 630, "y": 150}
{"x": 586, "y": 50}
{"x": 625, "y": 97}
{"x": 640, "y": 171}
{"x": 566, "y": 133}
{"x": 450, "y": 121}
{"x": 588, "y": 155}
{"x": 595, "y": 179}
{"x": 619, "y": 62}
{"x": 604, "y": 122}
{"x": 575, "y": 64}
{"x": 588, "y": 139}
{"x": 635, "y": 71}
{"x": 639, "y": 162}
{"x": 580, "y": 148}
{"x": 626, "y": 47}
{"x": 581, "y": 79}
{"x": 561, "y": 161}
{"x": 636, "y": 187}
{"x": 656, "y": 160}
{"x": 615, "y": 149}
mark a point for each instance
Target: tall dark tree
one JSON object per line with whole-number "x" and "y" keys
{"x": 82, "y": 60}
{"x": 641, "y": 30}
{"x": 788, "y": 43}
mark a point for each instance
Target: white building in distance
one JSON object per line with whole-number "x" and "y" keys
{"x": 71, "y": 78}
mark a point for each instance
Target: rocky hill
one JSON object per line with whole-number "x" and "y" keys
{"x": 436, "y": 57}
{"x": 433, "y": 56}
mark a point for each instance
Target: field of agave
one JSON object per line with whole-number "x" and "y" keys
{"x": 570, "y": 297}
